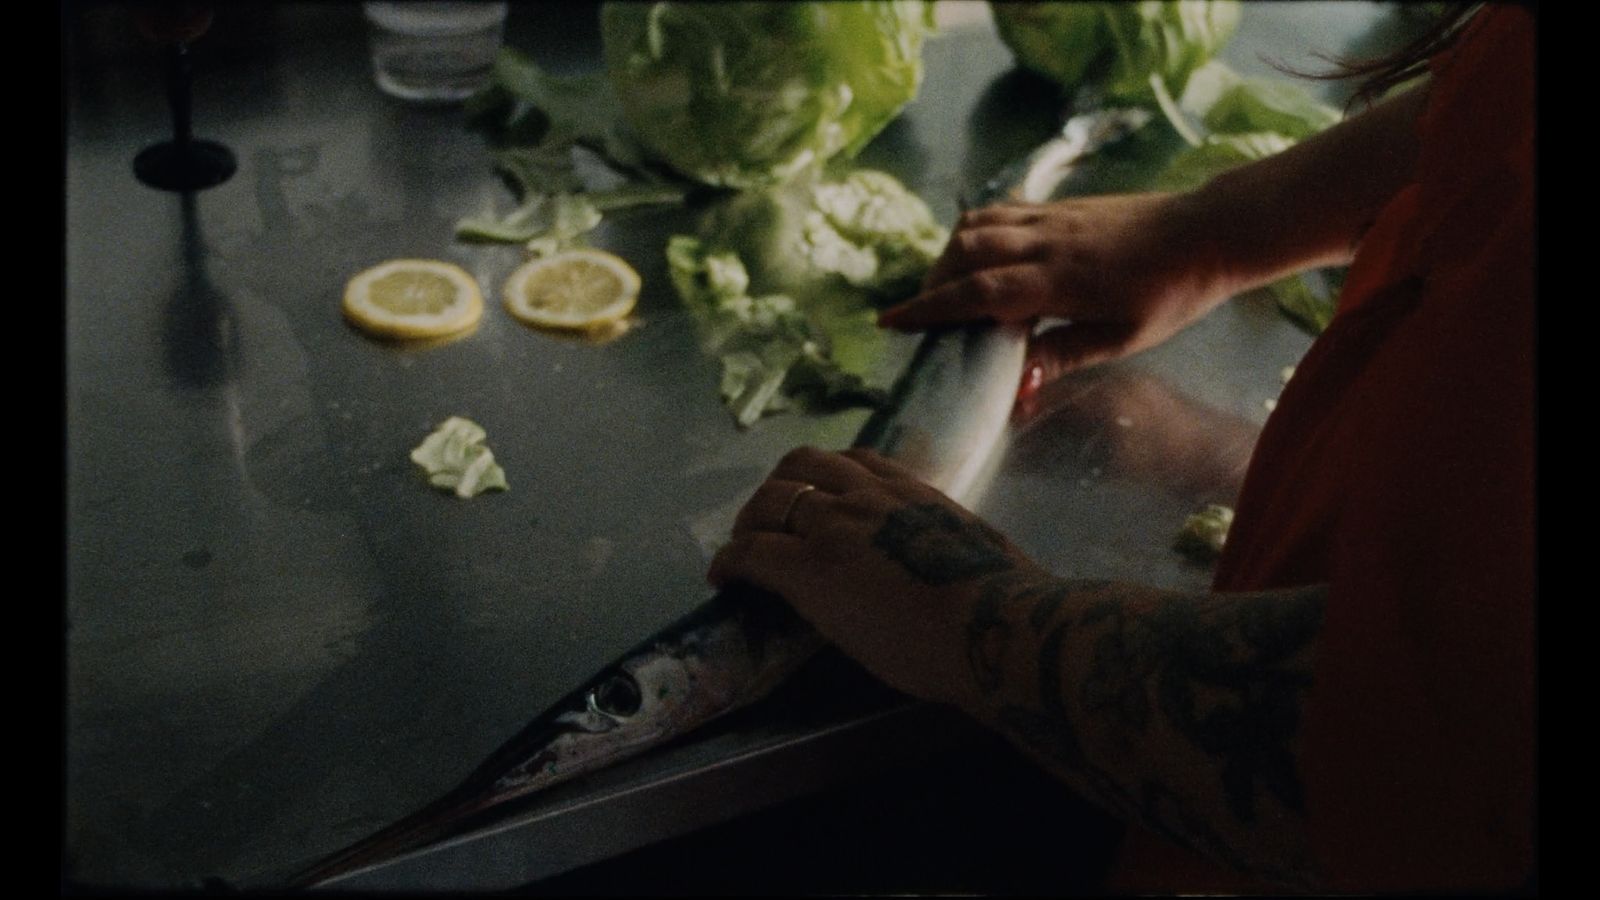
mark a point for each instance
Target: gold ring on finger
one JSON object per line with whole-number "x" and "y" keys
{"x": 788, "y": 512}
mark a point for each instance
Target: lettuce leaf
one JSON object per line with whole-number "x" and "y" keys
{"x": 547, "y": 119}
{"x": 772, "y": 354}
{"x": 1216, "y": 154}
{"x": 1205, "y": 533}
{"x": 456, "y": 459}
{"x": 1116, "y": 47}
{"x": 1230, "y": 104}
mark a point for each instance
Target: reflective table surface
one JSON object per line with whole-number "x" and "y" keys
{"x": 279, "y": 639}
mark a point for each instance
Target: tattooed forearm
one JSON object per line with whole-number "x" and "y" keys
{"x": 988, "y": 633}
{"x": 1181, "y": 712}
{"x": 1045, "y": 602}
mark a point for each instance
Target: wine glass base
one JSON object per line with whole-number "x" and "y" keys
{"x": 192, "y": 166}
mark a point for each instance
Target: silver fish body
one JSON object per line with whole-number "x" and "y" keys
{"x": 729, "y": 652}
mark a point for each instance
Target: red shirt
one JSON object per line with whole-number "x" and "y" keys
{"x": 1398, "y": 469}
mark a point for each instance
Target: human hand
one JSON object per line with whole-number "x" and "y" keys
{"x": 1127, "y": 270}
{"x": 886, "y": 567}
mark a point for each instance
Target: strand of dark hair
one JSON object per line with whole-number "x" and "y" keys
{"x": 1380, "y": 74}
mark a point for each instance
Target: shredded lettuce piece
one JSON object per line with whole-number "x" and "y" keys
{"x": 1216, "y": 154}
{"x": 1270, "y": 105}
{"x": 752, "y": 381}
{"x": 572, "y": 217}
{"x": 456, "y": 459}
{"x": 873, "y": 231}
{"x": 774, "y": 356}
{"x": 549, "y": 118}
{"x": 1229, "y": 103}
{"x": 555, "y": 212}
{"x": 562, "y": 219}
{"x": 1175, "y": 116}
{"x": 526, "y": 106}
{"x": 1204, "y": 533}
{"x": 783, "y": 282}
{"x": 865, "y": 229}
{"x": 1170, "y": 38}
{"x": 1307, "y": 309}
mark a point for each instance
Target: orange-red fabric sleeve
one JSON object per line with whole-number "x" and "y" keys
{"x": 1399, "y": 469}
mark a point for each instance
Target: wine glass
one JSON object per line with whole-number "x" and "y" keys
{"x": 183, "y": 163}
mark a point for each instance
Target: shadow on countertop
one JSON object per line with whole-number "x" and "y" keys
{"x": 981, "y": 820}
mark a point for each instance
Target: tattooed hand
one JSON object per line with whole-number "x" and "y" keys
{"x": 886, "y": 567}
{"x": 1178, "y": 711}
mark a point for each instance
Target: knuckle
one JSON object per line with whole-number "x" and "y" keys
{"x": 984, "y": 288}
{"x": 1032, "y": 282}
{"x": 728, "y": 560}
{"x": 965, "y": 243}
{"x": 856, "y": 502}
{"x": 859, "y": 453}
{"x": 799, "y": 455}
{"x": 1034, "y": 248}
{"x": 916, "y": 491}
{"x": 1008, "y": 293}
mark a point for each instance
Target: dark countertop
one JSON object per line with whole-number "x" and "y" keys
{"x": 279, "y": 641}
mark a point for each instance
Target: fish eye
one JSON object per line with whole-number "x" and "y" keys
{"x": 618, "y": 695}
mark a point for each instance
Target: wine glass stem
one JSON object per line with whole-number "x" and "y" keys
{"x": 180, "y": 78}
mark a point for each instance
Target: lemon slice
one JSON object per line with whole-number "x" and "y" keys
{"x": 413, "y": 298}
{"x": 576, "y": 290}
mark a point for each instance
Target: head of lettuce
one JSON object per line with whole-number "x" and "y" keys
{"x": 1118, "y": 47}
{"x": 748, "y": 94}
